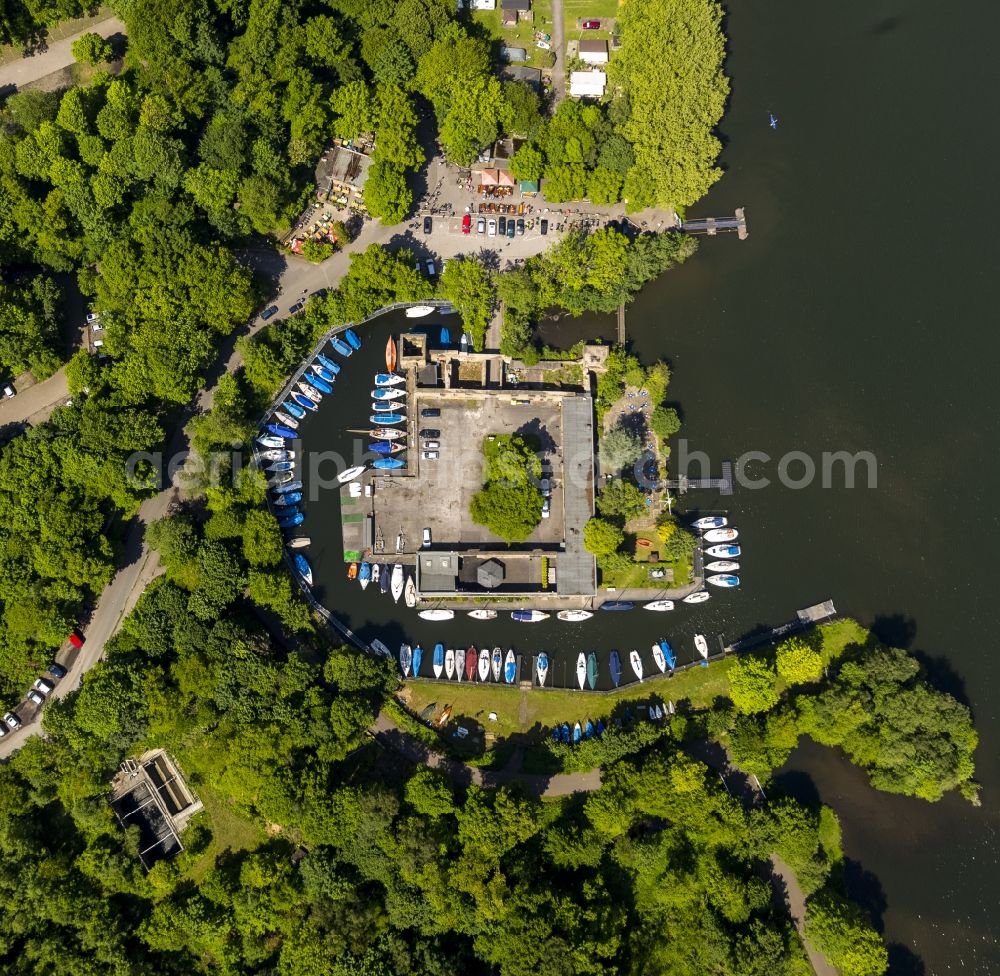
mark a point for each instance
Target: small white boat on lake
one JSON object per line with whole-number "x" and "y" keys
{"x": 581, "y": 669}
{"x": 725, "y": 581}
{"x": 722, "y": 566}
{"x": 397, "y": 582}
{"x": 636, "y": 663}
{"x": 483, "y": 614}
{"x": 419, "y": 311}
{"x": 701, "y": 643}
{"x": 350, "y": 474}
{"x": 410, "y": 593}
{"x": 699, "y": 596}
{"x": 709, "y": 522}
{"x": 574, "y": 616}
{"x": 449, "y": 663}
{"x": 437, "y": 614}
{"x": 721, "y": 535}
{"x": 660, "y": 605}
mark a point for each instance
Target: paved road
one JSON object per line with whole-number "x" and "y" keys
{"x": 54, "y": 58}
{"x": 34, "y": 404}
{"x": 559, "y": 46}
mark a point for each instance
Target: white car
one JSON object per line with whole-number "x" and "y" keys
{"x": 36, "y": 697}
{"x": 545, "y": 508}
{"x": 93, "y": 317}
{"x": 43, "y": 686}
{"x": 427, "y": 537}
{"x": 11, "y": 721}
{"x": 481, "y": 225}
{"x": 429, "y": 455}
{"x": 8, "y": 390}
{"x": 431, "y": 445}
{"x": 492, "y": 228}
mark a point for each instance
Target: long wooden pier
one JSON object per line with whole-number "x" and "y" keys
{"x": 715, "y": 225}
{"x": 723, "y": 485}
{"x": 804, "y": 619}
{"x": 621, "y": 325}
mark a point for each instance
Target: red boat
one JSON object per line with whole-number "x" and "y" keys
{"x": 471, "y": 659}
{"x": 390, "y": 355}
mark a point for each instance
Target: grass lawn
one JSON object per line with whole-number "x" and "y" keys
{"x": 575, "y": 11}
{"x": 230, "y": 831}
{"x": 523, "y": 35}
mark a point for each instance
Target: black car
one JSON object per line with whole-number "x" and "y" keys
{"x": 296, "y": 308}
{"x": 430, "y": 432}
{"x": 510, "y": 227}
{"x": 57, "y": 670}
{"x": 429, "y": 412}
{"x": 319, "y": 293}
{"x": 428, "y": 224}
{"x": 502, "y": 227}
{"x": 269, "y": 312}
{"x": 544, "y": 227}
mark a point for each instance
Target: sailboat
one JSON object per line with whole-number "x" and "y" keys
{"x": 385, "y": 447}
{"x": 308, "y": 391}
{"x": 311, "y": 379}
{"x": 299, "y": 542}
{"x": 294, "y": 409}
{"x": 290, "y": 520}
{"x": 710, "y": 522}
{"x": 328, "y": 363}
{"x": 340, "y": 346}
{"x": 701, "y": 643}
{"x": 283, "y": 432}
{"x": 636, "y": 663}
{"x": 592, "y": 670}
{"x": 528, "y": 616}
{"x": 459, "y": 663}
{"x": 723, "y": 552}
{"x": 280, "y": 466}
{"x": 389, "y": 379}
{"x": 438, "y": 661}
{"x": 722, "y": 535}
{"x": 350, "y": 474}
{"x": 397, "y": 582}
{"x": 324, "y": 374}
{"x": 418, "y": 654}
{"x": 615, "y": 666}
{"x": 270, "y": 440}
{"x": 658, "y": 658}
{"x": 574, "y": 616}
{"x": 273, "y": 454}
{"x": 286, "y": 419}
{"x": 375, "y": 572}
{"x": 484, "y": 664}
{"x": 292, "y": 498}
{"x": 352, "y": 571}
{"x": 542, "y": 668}
{"x": 387, "y": 393}
{"x": 668, "y": 654}
{"x": 405, "y": 659}
{"x": 386, "y": 434}
{"x": 390, "y": 355}
{"x": 439, "y": 613}
{"x": 724, "y": 580}
{"x": 352, "y": 337}
{"x": 365, "y": 575}
{"x": 772, "y": 120}
{"x": 303, "y": 568}
{"x": 577, "y": 732}
{"x": 419, "y": 311}
{"x": 581, "y": 669}
{"x": 449, "y": 663}
{"x": 471, "y": 660}
{"x": 722, "y": 566}
{"x": 509, "y": 666}
{"x": 410, "y": 593}
{"x": 497, "y": 661}
{"x": 660, "y": 605}
{"x": 483, "y": 614}
{"x": 303, "y": 401}
{"x": 384, "y": 576}
{"x": 384, "y": 419}
{"x": 388, "y": 463}
{"x": 699, "y": 596}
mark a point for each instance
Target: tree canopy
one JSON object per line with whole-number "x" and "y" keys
{"x": 510, "y": 502}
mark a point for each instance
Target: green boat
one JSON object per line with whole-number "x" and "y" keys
{"x": 592, "y": 670}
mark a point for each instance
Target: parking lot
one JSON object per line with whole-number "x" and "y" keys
{"x": 438, "y": 494}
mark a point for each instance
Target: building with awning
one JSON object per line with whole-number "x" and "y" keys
{"x": 489, "y": 177}
{"x": 587, "y": 84}
{"x": 505, "y": 179}
{"x": 529, "y": 187}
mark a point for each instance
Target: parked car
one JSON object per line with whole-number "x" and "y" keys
{"x": 545, "y": 508}
{"x": 591, "y": 25}
{"x": 481, "y": 225}
{"x": 429, "y": 412}
{"x": 430, "y": 266}
{"x": 510, "y": 227}
{"x": 93, "y": 317}
{"x": 9, "y": 391}
{"x": 76, "y": 639}
{"x": 296, "y": 308}
{"x": 492, "y": 228}
{"x": 544, "y": 227}
{"x": 57, "y": 670}
{"x": 467, "y": 224}
{"x": 520, "y": 226}
{"x": 429, "y": 455}
{"x": 319, "y": 293}
{"x": 546, "y": 487}
{"x": 43, "y": 686}
{"x": 431, "y": 445}
{"x": 98, "y": 343}
{"x": 503, "y": 227}
{"x": 3, "y": 730}
{"x": 97, "y": 326}
{"x": 428, "y": 224}
{"x": 36, "y": 697}
{"x": 427, "y": 537}
{"x": 269, "y": 312}
{"x": 430, "y": 432}
{"x": 11, "y": 721}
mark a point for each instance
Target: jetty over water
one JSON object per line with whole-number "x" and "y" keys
{"x": 717, "y": 225}
{"x": 818, "y": 613}
{"x": 723, "y": 485}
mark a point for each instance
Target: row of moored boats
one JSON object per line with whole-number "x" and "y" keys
{"x": 589, "y": 729}
{"x": 723, "y": 550}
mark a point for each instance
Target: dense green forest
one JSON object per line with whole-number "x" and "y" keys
{"x": 24, "y": 22}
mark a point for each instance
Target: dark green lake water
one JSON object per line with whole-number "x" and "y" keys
{"x": 858, "y": 317}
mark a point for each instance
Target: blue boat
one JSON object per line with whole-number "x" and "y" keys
{"x": 564, "y": 733}
{"x": 281, "y": 431}
{"x": 323, "y": 373}
{"x": 303, "y": 568}
{"x": 293, "y": 498}
{"x": 340, "y": 346}
{"x": 285, "y": 489}
{"x": 314, "y": 381}
{"x": 600, "y": 727}
{"x": 352, "y": 337}
{"x": 417, "y": 656}
{"x": 617, "y": 605}
{"x": 279, "y": 466}
{"x": 386, "y": 419}
{"x": 668, "y": 654}
{"x": 445, "y": 336}
{"x": 388, "y": 464}
{"x": 383, "y": 577}
{"x": 364, "y": 574}
{"x": 438, "y": 660}
{"x": 509, "y": 667}
{"x": 497, "y": 661}
{"x": 388, "y": 379}
{"x": 577, "y": 732}
{"x": 328, "y": 363}
{"x": 615, "y": 666}
{"x": 588, "y": 730}
{"x": 291, "y": 520}
{"x": 303, "y": 401}
{"x": 380, "y": 447}
{"x": 294, "y": 409}
{"x": 555, "y": 734}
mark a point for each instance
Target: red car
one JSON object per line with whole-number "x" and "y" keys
{"x": 591, "y": 25}
{"x": 466, "y": 224}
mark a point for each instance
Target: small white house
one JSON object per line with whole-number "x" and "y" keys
{"x": 587, "y": 84}
{"x": 593, "y": 52}
{"x": 484, "y": 4}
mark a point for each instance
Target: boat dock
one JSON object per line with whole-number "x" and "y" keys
{"x": 818, "y": 613}
{"x": 716, "y": 225}
{"x": 723, "y": 485}
{"x": 621, "y": 325}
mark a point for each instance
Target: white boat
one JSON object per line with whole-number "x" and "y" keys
{"x": 724, "y": 580}
{"x": 581, "y": 669}
{"x": 389, "y": 379}
{"x": 528, "y": 616}
{"x": 419, "y": 311}
{"x": 699, "y": 596}
{"x": 386, "y": 434}
{"x": 574, "y": 616}
{"x": 701, "y": 643}
{"x": 449, "y": 663}
{"x": 510, "y": 666}
{"x": 301, "y": 542}
{"x": 721, "y": 535}
{"x": 270, "y": 441}
{"x": 438, "y": 614}
{"x": 661, "y": 605}
{"x": 397, "y": 582}
{"x": 723, "y": 566}
{"x": 459, "y": 664}
{"x": 275, "y": 454}
{"x": 484, "y": 664}
{"x": 661, "y": 661}
{"x": 636, "y": 663}
{"x": 405, "y": 659}
{"x": 542, "y": 668}
{"x": 410, "y": 593}
{"x": 710, "y": 522}
{"x": 375, "y": 572}
{"x": 387, "y": 393}
{"x": 483, "y": 614}
{"x": 310, "y": 392}
{"x": 350, "y": 474}
{"x": 496, "y": 662}
{"x": 438, "y": 662}
{"x": 723, "y": 552}
{"x": 379, "y": 648}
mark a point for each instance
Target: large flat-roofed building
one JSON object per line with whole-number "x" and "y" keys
{"x": 474, "y": 398}
{"x": 587, "y": 84}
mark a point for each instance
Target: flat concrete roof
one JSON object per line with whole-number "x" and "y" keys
{"x": 577, "y": 572}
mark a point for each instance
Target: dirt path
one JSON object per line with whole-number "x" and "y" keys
{"x": 59, "y": 55}
{"x": 34, "y": 403}
{"x": 795, "y": 900}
